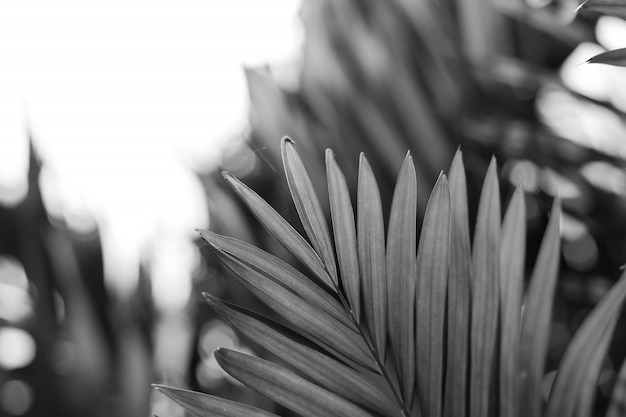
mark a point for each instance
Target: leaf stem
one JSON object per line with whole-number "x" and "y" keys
{"x": 381, "y": 366}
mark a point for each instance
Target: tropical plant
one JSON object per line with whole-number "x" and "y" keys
{"x": 401, "y": 326}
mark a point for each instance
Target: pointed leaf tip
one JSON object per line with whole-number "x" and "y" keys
{"x": 536, "y": 324}
{"x": 616, "y": 8}
{"x": 485, "y": 293}
{"x": 401, "y": 268}
{"x": 455, "y": 397}
{"x": 371, "y": 255}
{"x": 308, "y": 207}
{"x": 432, "y": 272}
{"x": 344, "y": 232}
{"x": 616, "y": 57}
{"x": 282, "y": 231}
{"x": 512, "y": 256}
{"x": 200, "y": 404}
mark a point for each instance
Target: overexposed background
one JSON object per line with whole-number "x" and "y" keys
{"x": 124, "y": 100}
{"x": 125, "y": 103}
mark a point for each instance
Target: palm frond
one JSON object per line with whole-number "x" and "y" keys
{"x": 301, "y": 313}
{"x": 372, "y": 262}
{"x": 281, "y": 230}
{"x": 308, "y": 207}
{"x": 277, "y": 270}
{"x": 450, "y": 312}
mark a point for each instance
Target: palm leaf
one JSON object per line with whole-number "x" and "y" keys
{"x": 204, "y": 405}
{"x": 371, "y": 247}
{"x": 314, "y": 364}
{"x": 574, "y": 387}
{"x": 344, "y": 230}
{"x": 316, "y": 324}
{"x": 281, "y": 230}
{"x": 401, "y": 267}
{"x": 455, "y": 403}
{"x": 279, "y": 271}
{"x": 286, "y": 387}
{"x": 308, "y": 206}
{"x": 432, "y": 275}
{"x": 512, "y": 256}
{"x": 485, "y": 295}
{"x": 537, "y": 315}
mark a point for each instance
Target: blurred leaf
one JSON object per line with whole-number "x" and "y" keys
{"x": 615, "y": 57}
{"x": 312, "y": 363}
{"x": 574, "y": 388}
{"x": 432, "y": 273}
{"x": 536, "y": 323}
{"x": 485, "y": 295}
{"x": 459, "y": 279}
{"x": 204, "y": 405}
{"x": 281, "y": 272}
{"x": 308, "y": 319}
{"x": 285, "y": 387}
{"x": 615, "y": 8}
{"x": 617, "y": 405}
{"x": 512, "y": 256}
{"x": 413, "y": 108}
{"x": 480, "y": 32}
{"x": 308, "y": 206}
{"x": 344, "y": 230}
{"x": 281, "y": 230}
{"x": 401, "y": 280}
{"x": 371, "y": 246}
{"x": 545, "y": 19}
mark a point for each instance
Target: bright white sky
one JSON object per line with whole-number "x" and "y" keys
{"x": 122, "y": 98}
